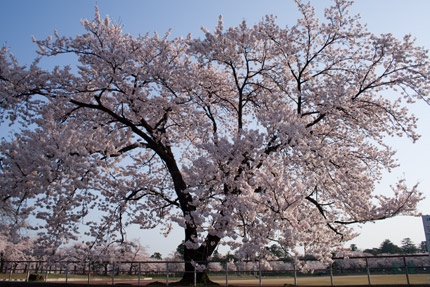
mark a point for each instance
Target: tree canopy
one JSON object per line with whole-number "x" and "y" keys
{"x": 246, "y": 136}
{"x": 389, "y": 247}
{"x": 407, "y": 247}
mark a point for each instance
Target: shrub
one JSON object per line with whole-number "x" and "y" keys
{"x": 36, "y": 278}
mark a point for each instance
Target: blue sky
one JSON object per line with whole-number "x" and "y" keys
{"x": 20, "y": 19}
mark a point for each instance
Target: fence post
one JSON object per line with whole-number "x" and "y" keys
{"x": 89, "y": 271}
{"x": 195, "y": 276}
{"x": 138, "y": 276}
{"x": 28, "y": 272}
{"x": 67, "y": 273}
{"x": 46, "y": 272}
{"x": 259, "y": 273}
{"x": 295, "y": 274}
{"x": 406, "y": 270}
{"x": 167, "y": 273}
{"x": 226, "y": 274}
{"x": 113, "y": 273}
{"x": 331, "y": 275}
{"x": 368, "y": 272}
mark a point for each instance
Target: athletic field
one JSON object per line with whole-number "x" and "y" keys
{"x": 341, "y": 280}
{"x": 399, "y": 279}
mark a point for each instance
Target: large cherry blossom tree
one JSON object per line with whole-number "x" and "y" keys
{"x": 246, "y": 136}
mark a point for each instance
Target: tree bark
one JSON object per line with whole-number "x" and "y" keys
{"x": 2, "y": 261}
{"x": 199, "y": 277}
{"x": 198, "y": 256}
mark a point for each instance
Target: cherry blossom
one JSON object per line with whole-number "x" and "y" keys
{"x": 247, "y": 136}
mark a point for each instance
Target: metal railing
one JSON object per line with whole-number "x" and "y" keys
{"x": 406, "y": 270}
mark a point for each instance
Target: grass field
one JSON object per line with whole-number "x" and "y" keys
{"x": 325, "y": 280}
{"x": 399, "y": 279}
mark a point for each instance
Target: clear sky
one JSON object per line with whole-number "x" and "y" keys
{"x": 20, "y": 19}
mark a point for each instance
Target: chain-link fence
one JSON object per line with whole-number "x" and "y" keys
{"x": 407, "y": 270}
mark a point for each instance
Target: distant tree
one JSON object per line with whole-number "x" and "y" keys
{"x": 389, "y": 247}
{"x": 157, "y": 255}
{"x": 216, "y": 256}
{"x": 125, "y": 251}
{"x": 277, "y": 250}
{"x": 180, "y": 251}
{"x": 353, "y": 247}
{"x": 231, "y": 257}
{"x": 408, "y": 247}
{"x": 423, "y": 247}
{"x": 16, "y": 247}
{"x": 373, "y": 251}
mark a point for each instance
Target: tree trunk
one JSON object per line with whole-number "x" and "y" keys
{"x": 130, "y": 271}
{"x": 201, "y": 254}
{"x": 1, "y": 262}
{"x": 200, "y": 277}
{"x": 198, "y": 256}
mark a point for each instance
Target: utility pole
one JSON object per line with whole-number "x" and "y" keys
{"x": 426, "y": 223}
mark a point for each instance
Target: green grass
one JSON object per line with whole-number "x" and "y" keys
{"x": 13, "y": 277}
